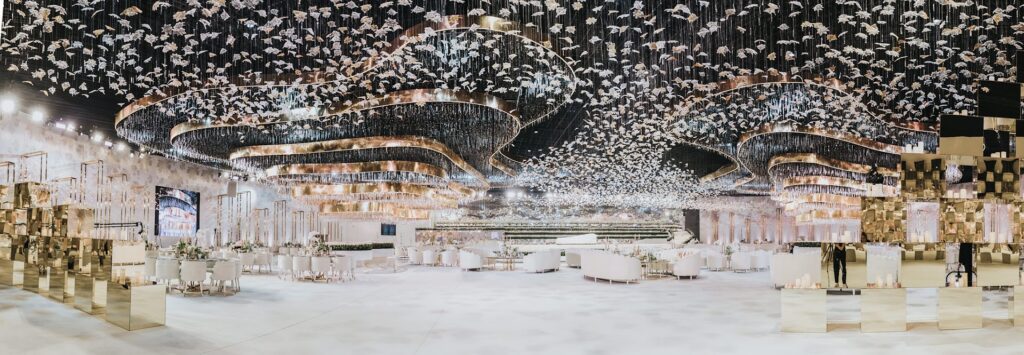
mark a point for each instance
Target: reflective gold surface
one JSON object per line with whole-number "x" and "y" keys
{"x": 31, "y": 194}
{"x": 960, "y": 308}
{"x": 70, "y": 221}
{"x": 91, "y": 278}
{"x": 962, "y": 221}
{"x": 883, "y": 219}
{"x": 372, "y": 188}
{"x": 355, "y": 168}
{"x": 998, "y": 264}
{"x": 132, "y": 302}
{"x": 358, "y": 144}
{"x": 373, "y": 209}
{"x": 923, "y": 265}
{"x": 812, "y": 158}
{"x": 804, "y": 310}
{"x": 1017, "y": 306}
{"x": 883, "y": 310}
{"x": 856, "y": 266}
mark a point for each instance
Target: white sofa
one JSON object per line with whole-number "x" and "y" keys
{"x": 469, "y": 260}
{"x": 688, "y": 266}
{"x": 542, "y": 261}
{"x": 604, "y": 265}
{"x": 787, "y": 268}
{"x": 572, "y": 259}
{"x": 762, "y": 260}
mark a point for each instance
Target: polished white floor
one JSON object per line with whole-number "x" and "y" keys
{"x": 427, "y": 310}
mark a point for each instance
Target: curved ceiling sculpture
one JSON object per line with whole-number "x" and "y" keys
{"x": 739, "y": 83}
{"x": 425, "y": 146}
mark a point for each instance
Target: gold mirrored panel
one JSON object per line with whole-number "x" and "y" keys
{"x": 883, "y": 219}
{"x": 804, "y": 310}
{"x": 998, "y": 264}
{"x": 923, "y": 265}
{"x": 921, "y": 176}
{"x": 883, "y": 310}
{"x": 962, "y": 221}
{"x": 844, "y": 265}
{"x": 960, "y": 308}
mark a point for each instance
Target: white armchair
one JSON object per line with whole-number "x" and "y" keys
{"x": 430, "y": 257}
{"x": 470, "y": 261}
{"x": 449, "y": 257}
{"x": 572, "y": 259}
{"x": 716, "y": 261}
{"x": 542, "y": 261}
{"x": 741, "y": 261}
{"x": 762, "y": 260}
{"x": 688, "y": 266}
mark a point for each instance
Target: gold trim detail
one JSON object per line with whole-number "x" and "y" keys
{"x": 812, "y": 158}
{"x": 373, "y": 209}
{"x": 358, "y": 144}
{"x": 355, "y": 168}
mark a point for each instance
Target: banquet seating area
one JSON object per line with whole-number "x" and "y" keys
{"x": 511, "y": 177}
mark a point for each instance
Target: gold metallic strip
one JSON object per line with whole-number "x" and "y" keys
{"x": 822, "y": 181}
{"x": 720, "y": 172}
{"x": 369, "y": 188}
{"x": 356, "y": 168}
{"x": 785, "y": 128}
{"x": 825, "y": 198}
{"x": 497, "y": 164}
{"x": 358, "y": 144}
{"x": 813, "y": 158}
{"x": 373, "y": 208}
{"x": 403, "y": 97}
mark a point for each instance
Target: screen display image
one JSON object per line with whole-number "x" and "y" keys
{"x": 177, "y": 212}
{"x": 388, "y": 229}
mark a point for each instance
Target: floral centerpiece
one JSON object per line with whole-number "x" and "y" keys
{"x": 319, "y": 248}
{"x": 187, "y": 251}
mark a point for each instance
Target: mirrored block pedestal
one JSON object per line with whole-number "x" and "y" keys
{"x": 883, "y": 310}
{"x": 960, "y": 308}
{"x": 804, "y": 310}
{"x": 1017, "y": 306}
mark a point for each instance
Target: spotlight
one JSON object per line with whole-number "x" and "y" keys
{"x": 97, "y": 137}
{"x": 38, "y": 115}
{"x": 60, "y": 126}
{"x": 8, "y": 104}
{"x": 70, "y": 126}
{"x": 121, "y": 147}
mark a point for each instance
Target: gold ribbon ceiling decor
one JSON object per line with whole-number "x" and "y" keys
{"x": 848, "y": 81}
{"x": 406, "y": 144}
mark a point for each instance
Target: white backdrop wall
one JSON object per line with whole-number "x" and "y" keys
{"x": 68, "y": 150}
{"x": 364, "y": 231}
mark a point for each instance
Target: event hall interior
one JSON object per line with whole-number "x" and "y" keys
{"x": 511, "y": 176}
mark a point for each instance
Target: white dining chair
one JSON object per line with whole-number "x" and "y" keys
{"x": 449, "y": 257}
{"x": 263, "y": 259}
{"x": 150, "y": 273}
{"x": 321, "y": 267}
{"x": 415, "y": 257}
{"x": 343, "y": 266}
{"x": 193, "y": 272}
{"x": 284, "y": 266}
{"x": 430, "y": 257}
{"x": 167, "y": 270}
{"x": 248, "y": 261}
{"x": 238, "y": 276}
{"x": 301, "y": 266}
{"x": 223, "y": 272}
